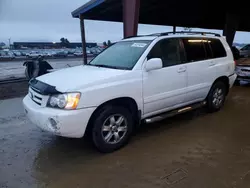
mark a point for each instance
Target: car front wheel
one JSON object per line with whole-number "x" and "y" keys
{"x": 112, "y": 128}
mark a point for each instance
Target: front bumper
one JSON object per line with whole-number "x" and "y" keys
{"x": 243, "y": 78}
{"x": 66, "y": 123}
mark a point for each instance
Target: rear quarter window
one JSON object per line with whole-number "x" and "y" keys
{"x": 217, "y": 48}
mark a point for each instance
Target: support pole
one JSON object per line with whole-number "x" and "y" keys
{"x": 131, "y": 10}
{"x": 174, "y": 29}
{"x": 83, "y": 39}
{"x": 230, "y": 28}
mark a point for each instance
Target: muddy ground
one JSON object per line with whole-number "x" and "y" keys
{"x": 196, "y": 150}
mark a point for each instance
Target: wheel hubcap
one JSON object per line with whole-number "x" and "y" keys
{"x": 218, "y": 97}
{"x": 114, "y": 129}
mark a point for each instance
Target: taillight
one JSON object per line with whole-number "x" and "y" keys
{"x": 235, "y": 65}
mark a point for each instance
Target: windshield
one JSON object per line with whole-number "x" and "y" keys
{"x": 122, "y": 55}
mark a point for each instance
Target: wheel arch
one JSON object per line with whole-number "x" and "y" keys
{"x": 126, "y": 102}
{"x": 225, "y": 80}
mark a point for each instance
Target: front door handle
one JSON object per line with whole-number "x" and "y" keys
{"x": 182, "y": 69}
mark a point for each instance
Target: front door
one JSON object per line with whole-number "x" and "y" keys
{"x": 165, "y": 89}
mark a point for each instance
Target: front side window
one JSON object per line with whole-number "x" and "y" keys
{"x": 168, "y": 50}
{"x": 122, "y": 55}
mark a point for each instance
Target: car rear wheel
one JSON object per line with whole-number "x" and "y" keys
{"x": 112, "y": 128}
{"x": 216, "y": 97}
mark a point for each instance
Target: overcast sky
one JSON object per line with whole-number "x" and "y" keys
{"x": 49, "y": 20}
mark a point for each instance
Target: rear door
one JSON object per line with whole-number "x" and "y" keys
{"x": 201, "y": 68}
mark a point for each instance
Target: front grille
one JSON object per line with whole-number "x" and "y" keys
{"x": 39, "y": 98}
{"x": 35, "y": 96}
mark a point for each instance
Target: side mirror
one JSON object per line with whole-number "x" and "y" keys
{"x": 153, "y": 64}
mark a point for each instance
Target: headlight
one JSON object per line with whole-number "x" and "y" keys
{"x": 67, "y": 101}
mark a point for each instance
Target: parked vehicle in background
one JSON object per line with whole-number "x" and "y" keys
{"x": 88, "y": 52}
{"x": 61, "y": 54}
{"x": 16, "y": 53}
{"x": 34, "y": 54}
{"x": 245, "y": 51}
{"x": 78, "y": 53}
{"x": 94, "y": 51}
{"x": 6, "y": 55}
{"x": 243, "y": 73}
{"x": 25, "y": 53}
{"x": 46, "y": 54}
{"x": 138, "y": 79}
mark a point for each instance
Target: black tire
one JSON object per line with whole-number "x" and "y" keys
{"x": 97, "y": 125}
{"x": 237, "y": 82}
{"x": 212, "y": 107}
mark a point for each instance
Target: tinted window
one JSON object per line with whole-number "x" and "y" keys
{"x": 217, "y": 48}
{"x": 208, "y": 49}
{"x": 195, "y": 50}
{"x": 168, "y": 50}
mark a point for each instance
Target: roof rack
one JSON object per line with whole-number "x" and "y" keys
{"x": 185, "y": 32}
{"x": 177, "y": 32}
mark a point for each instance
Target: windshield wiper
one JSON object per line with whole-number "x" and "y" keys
{"x": 108, "y": 66}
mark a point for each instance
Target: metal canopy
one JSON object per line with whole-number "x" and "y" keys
{"x": 193, "y": 13}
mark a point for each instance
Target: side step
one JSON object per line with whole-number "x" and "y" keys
{"x": 174, "y": 112}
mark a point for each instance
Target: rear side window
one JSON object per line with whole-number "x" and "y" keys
{"x": 208, "y": 49}
{"x": 195, "y": 50}
{"x": 217, "y": 48}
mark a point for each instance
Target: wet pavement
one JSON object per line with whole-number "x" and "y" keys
{"x": 15, "y": 69}
{"x": 197, "y": 149}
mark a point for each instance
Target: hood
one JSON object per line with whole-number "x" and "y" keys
{"x": 74, "y": 78}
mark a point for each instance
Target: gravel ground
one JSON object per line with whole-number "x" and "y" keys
{"x": 196, "y": 150}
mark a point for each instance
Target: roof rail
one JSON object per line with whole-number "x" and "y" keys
{"x": 177, "y": 32}
{"x": 185, "y": 32}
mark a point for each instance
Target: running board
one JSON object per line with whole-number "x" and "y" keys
{"x": 175, "y": 112}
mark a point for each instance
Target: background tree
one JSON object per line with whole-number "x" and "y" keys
{"x": 109, "y": 43}
{"x": 65, "y": 42}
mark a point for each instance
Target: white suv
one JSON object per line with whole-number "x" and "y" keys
{"x": 141, "y": 78}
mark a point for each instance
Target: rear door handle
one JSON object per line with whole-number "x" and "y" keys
{"x": 182, "y": 69}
